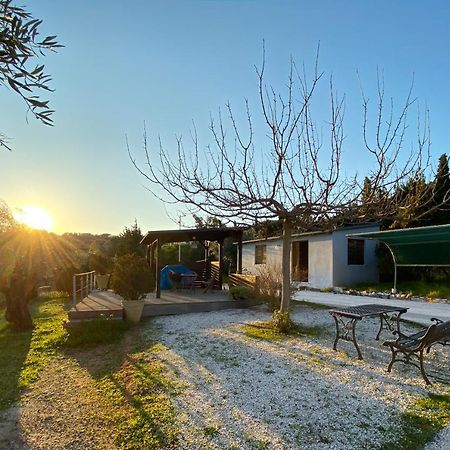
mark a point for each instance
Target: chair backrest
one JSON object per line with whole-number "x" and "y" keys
{"x": 436, "y": 333}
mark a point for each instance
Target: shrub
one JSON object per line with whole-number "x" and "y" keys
{"x": 99, "y": 263}
{"x": 131, "y": 277}
{"x": 63, "y": 277}
{"x": 282, "y": 322}
{"x": 269, "y": 285}
{"x": 241, "y": 293}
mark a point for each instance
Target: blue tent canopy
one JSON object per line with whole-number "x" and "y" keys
{"x": 166, "y": 283}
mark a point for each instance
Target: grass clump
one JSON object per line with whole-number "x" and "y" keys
{"x": 53, "y": 294}
{"x": 431, "y": 290}
{"x": 422, "y": 421}
{"x": 268, "y": 330}
{"x": 96, "y": 332}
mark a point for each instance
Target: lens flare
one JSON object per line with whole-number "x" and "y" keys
{"x": 34, "y": 217}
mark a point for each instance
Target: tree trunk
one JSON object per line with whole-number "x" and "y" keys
{"x": 286, "y": 267}
{"x": 17, "y": 312}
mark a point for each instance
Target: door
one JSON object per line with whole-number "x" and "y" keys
{"x": 300, "y": 261}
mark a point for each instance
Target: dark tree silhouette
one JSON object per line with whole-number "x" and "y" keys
{"x": 20, "y": 47}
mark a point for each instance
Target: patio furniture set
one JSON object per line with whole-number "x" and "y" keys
{"x": 405, "y": 348}
{"x": 190, "y": 281}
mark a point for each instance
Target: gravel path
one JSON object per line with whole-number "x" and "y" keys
{"x": 246, "y": 393}
{"x": 237, "y": 392}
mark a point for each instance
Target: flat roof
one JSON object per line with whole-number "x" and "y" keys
{"x": 421, "y": 246}
{"x": 193, "y": 234}
{"x": 312, "y": 233}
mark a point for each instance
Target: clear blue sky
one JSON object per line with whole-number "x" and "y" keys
{"x": 173, "y": 62}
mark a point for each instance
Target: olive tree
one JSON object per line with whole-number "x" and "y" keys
{"x": 20, "y": 47}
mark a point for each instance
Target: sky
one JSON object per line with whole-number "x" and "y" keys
{"x": 174, "y": 63}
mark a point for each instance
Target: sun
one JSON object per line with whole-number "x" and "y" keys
{"x": 34, "y": 217}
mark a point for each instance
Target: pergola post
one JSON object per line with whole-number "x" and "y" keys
{"x": 394, "y": 289}
{"x": 239, "y": 255}
{"x": 220, "y": 242}
{"x": 158, "y": 273}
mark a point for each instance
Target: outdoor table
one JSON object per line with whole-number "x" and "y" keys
{"x": 188, "y": 280}
{"x": 346, "y": 318}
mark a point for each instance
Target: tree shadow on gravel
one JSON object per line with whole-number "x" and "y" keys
{"x": 233, "y": 381}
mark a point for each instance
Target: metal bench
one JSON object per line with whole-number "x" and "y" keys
{"x": 416, "y": 344}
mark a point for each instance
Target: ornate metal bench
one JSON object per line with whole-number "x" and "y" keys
{"x": 416, "y": 344}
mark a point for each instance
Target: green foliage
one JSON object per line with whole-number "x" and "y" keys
{"x": 53, "y": 294}
{"x": 96, "y": 332}
{"x": 269, "y": 331}
{"x": 282, "y": 321}
{"x": 131, "y": 277}
{"x": 421, "y": 422}
{"x": 24, "y": 355}
{"x": 438, "y": 289}
{"x": 63, "y": 277}
{"x": 128, "y": 242}
{"x": 99, "y": 262}
{"x": 242, "y": 293}
{"x": 20, "y": 45}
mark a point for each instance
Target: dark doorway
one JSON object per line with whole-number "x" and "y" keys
{"x": 300, "y": 261}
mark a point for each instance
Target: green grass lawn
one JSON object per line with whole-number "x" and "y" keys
{"x": 136, "y": 387}
{"x": 127, "y": 374}
{"x": 414, "y": 288}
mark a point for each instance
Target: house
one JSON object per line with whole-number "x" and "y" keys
{"x": 318, "y": 259}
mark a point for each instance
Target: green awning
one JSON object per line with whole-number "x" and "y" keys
{"x": 424, "y": 246}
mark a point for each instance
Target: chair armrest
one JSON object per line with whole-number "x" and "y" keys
{"x": 434, "y": 319}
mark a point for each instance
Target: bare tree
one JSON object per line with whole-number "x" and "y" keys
{"x": 297, "y": 176}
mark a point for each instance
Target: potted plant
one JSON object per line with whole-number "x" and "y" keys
{"x": 131, "y": 280}
{"x": 102, "y": 281}
{"x": 100, "y": 264}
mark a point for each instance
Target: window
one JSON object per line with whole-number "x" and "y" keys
{"x": 260, "y": 254}
{"x": 355, "y": 252}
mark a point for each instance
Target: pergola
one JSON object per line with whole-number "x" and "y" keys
{"x": 423, "y": 246}
{"x": 155, "y": 239}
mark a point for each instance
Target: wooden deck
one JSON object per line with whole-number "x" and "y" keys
{"x": 107, "y": 304}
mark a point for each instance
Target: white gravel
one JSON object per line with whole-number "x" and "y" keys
{"x": 245, "y": 393}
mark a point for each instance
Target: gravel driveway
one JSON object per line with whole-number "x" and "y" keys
{"x": 237, "y": 391}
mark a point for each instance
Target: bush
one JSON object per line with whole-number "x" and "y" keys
{"x": 131, "y": 277}
{"x": 63, "y": 277}
{"x": 242, "y": 293}
{"x": 282, "y": 322}
{"x": 95, "y": 332}
{"x": 99, "y": 263}
{"x": 269, "y": 285}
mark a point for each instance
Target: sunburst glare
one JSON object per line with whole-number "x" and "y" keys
{"x": 34, "y": 217}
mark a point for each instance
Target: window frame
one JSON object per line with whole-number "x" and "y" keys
{"x": 356, "y": 249}
{"x": 260, "y": 254}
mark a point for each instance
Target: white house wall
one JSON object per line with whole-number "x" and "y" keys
{"x": 345, "y": 274}
{"x": 327, "y": 258}
{"x": 320, "y": 263}
{"x": 273, "y": 256}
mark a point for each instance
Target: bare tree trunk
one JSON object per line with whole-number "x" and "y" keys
{"x": 17, "y": 312}
{"x": 286, "y": 266}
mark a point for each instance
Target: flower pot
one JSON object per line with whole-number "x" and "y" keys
{"x": 133, "y": 309}
{"x": 102, "y": 281}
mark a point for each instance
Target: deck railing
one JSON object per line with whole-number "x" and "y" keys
{"x": 238, "y": 279}
{"x": 82, "y": 285}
